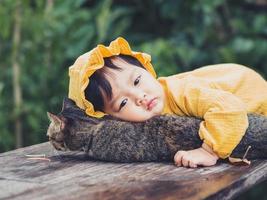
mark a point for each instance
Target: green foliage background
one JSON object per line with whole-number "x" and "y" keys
{"x": 180, "y": 36}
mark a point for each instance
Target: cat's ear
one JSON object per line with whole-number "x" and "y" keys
{"x": 52, "y": 117}
{"x": 67, "y": 103}
{"x": 57, "y": 120}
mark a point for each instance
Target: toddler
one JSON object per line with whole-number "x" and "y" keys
{"x": 117, "y": 81}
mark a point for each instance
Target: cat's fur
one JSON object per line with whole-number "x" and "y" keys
{"x": 157, "y": 139}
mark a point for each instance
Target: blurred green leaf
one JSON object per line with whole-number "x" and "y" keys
{"x": 179, "y": 35}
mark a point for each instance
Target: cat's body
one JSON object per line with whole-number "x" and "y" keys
{"x": 157, "y": 139}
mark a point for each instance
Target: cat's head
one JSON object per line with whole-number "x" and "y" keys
{"x": 56, "y": 131}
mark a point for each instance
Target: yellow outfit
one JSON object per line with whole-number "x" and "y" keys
{"x": 222, "y": 95}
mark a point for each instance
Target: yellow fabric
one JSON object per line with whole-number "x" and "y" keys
{"x": 91, "y": 61}
{"x": 222, "y": 95}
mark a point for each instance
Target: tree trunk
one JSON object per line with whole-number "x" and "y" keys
{"x": 48, "y": 49}
{"x": 48, "y": 43}
{"x": 16, "y": 75}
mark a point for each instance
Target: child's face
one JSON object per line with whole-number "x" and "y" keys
{"x": 136, "y": 94}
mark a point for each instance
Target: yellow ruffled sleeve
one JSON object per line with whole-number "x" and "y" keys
{"x": 225, "y": 116}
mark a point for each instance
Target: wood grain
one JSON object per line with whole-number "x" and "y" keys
{"x": 72, "y": 175}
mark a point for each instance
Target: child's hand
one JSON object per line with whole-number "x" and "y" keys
{"x": 202, "y": 156}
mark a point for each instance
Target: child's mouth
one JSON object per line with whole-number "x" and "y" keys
{"x": 152, "y": 103}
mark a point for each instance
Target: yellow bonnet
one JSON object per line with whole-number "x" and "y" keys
{"x": 88, "y": 63}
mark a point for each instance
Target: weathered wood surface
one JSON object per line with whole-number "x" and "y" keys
{"x": 71, "y": 175}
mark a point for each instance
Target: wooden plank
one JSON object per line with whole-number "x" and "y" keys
{"x": 71, "y": 175}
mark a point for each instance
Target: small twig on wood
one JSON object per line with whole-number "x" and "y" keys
{"x": 238, "y": 161}
{"x": 246, "y": 152}
{"x": 37, "y": 157}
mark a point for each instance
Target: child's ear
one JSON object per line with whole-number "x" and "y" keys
{"x": 58, "y": 121}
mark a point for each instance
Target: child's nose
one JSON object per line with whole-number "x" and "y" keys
{"x": 141, "y": 100}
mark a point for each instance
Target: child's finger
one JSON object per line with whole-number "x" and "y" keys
{"x": 178, "y": 158}
{"x": 192, "y": 164}
{"x": 185, "y": 161}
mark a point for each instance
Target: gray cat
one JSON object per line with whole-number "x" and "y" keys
{"x": 157, "y": 139}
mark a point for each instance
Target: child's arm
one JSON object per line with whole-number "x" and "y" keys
{"x": 224, "y": 118}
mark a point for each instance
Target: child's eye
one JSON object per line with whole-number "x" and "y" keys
{"x": 123, "y": 103}
{"x": 137, "y": 80}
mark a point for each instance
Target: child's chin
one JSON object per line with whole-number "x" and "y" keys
{"x": 158, "y": 109}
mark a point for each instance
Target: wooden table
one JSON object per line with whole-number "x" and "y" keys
{"x": 71, "y": 175}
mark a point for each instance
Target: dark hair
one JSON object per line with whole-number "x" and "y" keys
{"x": 98, "y": 81}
